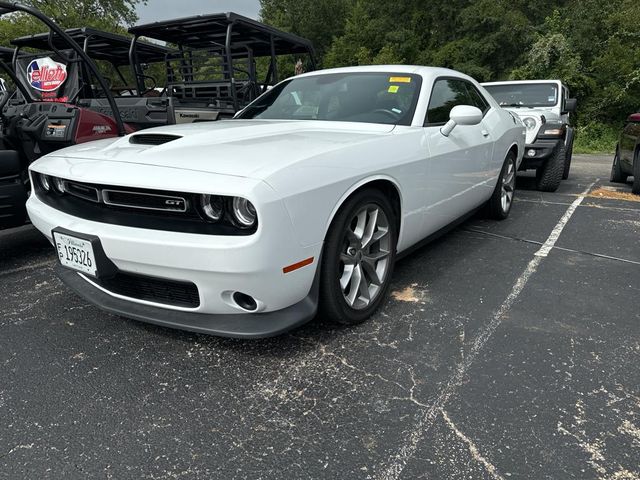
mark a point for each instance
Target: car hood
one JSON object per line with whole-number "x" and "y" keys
{"x": 243, "y": 148}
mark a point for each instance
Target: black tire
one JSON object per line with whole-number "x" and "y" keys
{"x": 549, "y": 175}
{"x": 333, "y": 304}
{"x": 635, "y": 188}
{"x": 567, "y": 159}
{"x": 617, "y": 176}
{"x": 495, "y": 207}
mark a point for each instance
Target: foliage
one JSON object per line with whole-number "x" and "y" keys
{"x": 595, "y": 137}
{"x": 109, "y": 15}
{"x": 593, "y": 46}
{"x": 317, "y": 20}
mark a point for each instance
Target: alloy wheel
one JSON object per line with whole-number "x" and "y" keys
{"x": 508, "y": 186}
{"x": 365, "y": 257}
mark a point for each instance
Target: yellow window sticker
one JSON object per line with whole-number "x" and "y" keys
{"x": 394, "y": 88}
{"x": 400, "y": 80}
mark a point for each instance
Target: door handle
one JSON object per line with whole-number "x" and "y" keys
{"x": 485, "y": 133}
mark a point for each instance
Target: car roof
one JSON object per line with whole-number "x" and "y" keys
{"x": 511, "y": 82}
{"x": 102, "y": 45}
{"x": 205, "y": 31}
{"x": 427, "y": 72}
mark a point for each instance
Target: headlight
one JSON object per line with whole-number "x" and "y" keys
{"x": 212, "y": 206}
{"x": 244, "y": 213}
{"x": 58, "y": 184}
{"x": 530, "y": 123}
{"x": 44, "y": 181}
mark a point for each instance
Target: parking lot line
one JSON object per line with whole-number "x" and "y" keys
{"x": 583, "y": 205}
{"x": 473, "y": 449}
{"x": 564, "y": 249}
{"x": 428, "y": 417}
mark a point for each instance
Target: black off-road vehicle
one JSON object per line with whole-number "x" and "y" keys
{"x": 223, "y": 62}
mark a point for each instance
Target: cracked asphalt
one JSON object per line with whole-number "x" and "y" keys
{"x": 491, "y": 360}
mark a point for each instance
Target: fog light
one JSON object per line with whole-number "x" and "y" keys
{"x": 244, "y": 301}
{"x": 531, "y": 153}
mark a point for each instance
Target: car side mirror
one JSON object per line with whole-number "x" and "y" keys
{"x": 461, "y": 115}
{"x": 9, "y": 163}
{"x": 570, "y": 106}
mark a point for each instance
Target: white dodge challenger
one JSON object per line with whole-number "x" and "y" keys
{"x": 302, "y": 203}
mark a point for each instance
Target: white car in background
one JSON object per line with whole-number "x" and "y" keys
{"x": 248, "y": 227}
{"x": 545, "y": 108}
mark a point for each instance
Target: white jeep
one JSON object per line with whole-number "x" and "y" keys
{"x": 544, "y": 107}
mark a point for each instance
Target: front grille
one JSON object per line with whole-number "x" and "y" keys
{"x": 145, "y": 201}
{"x": 152, "y": 289}
{"x": 170, "y": 211}
{"x": 83, "y": 191}
{"x": 152, "y": 139}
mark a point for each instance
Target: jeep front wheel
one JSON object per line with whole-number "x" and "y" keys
{"x": 549, "y": 175}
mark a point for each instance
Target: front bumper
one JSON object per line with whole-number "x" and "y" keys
{"x": 247, "y": 326}
{"x": 217, "y": 265}
{"x": 543, "y": 149}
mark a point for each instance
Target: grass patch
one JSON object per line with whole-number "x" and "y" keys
{"x": 596, "y": 138}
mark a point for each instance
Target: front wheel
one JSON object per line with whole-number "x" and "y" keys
{"x": 617, "y": 176}
{"x": 567, "y": 160}
{"x": 635, "y": 188}
{"x": 500, "y": 203}
{"x": 549, "y": 175}
{"x": 358, "y": 258}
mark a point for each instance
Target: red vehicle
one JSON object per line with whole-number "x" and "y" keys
{"x": 43, "y": 115}
{"x": 626, "y": 162}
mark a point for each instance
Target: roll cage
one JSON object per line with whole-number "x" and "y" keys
{"x": 56, "y": 31}
{"x": 216, "y": 63}
{"x": 100, "y": 46}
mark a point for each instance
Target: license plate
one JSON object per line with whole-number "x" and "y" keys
{"x": 76, "y": 253}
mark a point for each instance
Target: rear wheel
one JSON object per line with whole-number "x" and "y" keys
{"x": 500, "y": 203}
{"x": 549, "y": 175}
{"x": 617, "y": 176}
{"x": 635, "y": 188}
{"x": 358, "y": 258}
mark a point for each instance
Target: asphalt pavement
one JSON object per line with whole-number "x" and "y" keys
{"x": 508, "y": 350}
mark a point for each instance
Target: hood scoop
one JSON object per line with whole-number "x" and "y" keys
{"x": 152, "y": 139}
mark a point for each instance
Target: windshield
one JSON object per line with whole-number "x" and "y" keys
{"x": 525, "y": 94}
{"x": 386, "y": 98}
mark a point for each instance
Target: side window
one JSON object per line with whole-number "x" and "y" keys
{"x": 446, "y": 94}
{"x": 477, "y": 100}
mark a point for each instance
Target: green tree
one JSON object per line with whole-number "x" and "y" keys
{"x": 553, "y": 56}
{"x": 109, "y": 15}
{"x": 318, "y": 20}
